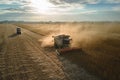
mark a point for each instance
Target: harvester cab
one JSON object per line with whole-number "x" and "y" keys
{"x": 61, "y": 42}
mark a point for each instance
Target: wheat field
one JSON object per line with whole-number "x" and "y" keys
{"x": 99, "y": 40}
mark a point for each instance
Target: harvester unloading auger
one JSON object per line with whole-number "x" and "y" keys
{"x": 62, "y": 44}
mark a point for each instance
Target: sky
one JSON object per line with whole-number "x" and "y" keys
{"x": 60, "y": 10}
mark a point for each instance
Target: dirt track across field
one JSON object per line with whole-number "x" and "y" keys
{"x": 22, "y": 58}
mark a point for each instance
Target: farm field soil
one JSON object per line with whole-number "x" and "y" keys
{"x": 22, "y": 58}
{"x": 100, "y": 43}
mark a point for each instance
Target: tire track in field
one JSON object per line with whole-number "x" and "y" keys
{"x": 16, "y": 64}
{"x": 54, "y": 71}
{"x": 70, "y": 71}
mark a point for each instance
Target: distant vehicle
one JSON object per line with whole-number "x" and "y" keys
{"x": 18, "y": 30}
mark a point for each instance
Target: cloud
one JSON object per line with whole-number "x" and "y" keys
{"x": 60, "y": 6}
{"x": 89, "y": 12}
{"x": 13, "y": 9}
{"x": 15, "y": 6}
{"x": 113, "y": 1}
{"x": 59, "y": 2}
{"x": 5, "y": 2}
{"x": 68, "y": 6}
{"x": 116, "y": 8}
{"x": 55, "y": 2}
{"x": 61, "y": 9}
{"x": 14, "y": 2}
{"x": 81, "y": 1}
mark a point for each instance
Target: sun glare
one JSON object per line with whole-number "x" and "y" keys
{"x": 41, "y": 6}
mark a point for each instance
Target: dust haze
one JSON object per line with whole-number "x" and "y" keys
{"x": 84, "y": 34}
{"x": 100, "y": 43}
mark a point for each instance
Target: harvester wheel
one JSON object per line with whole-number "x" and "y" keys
{"x": 58, "y": 53}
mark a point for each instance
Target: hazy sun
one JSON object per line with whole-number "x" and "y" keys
{"x": 42, "y": 6}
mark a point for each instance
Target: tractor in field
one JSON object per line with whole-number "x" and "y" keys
{"x": 61, "y": 42}
{"x": 18, "y": 30}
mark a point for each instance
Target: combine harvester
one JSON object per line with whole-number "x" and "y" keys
{"x": 62, "y": 44}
